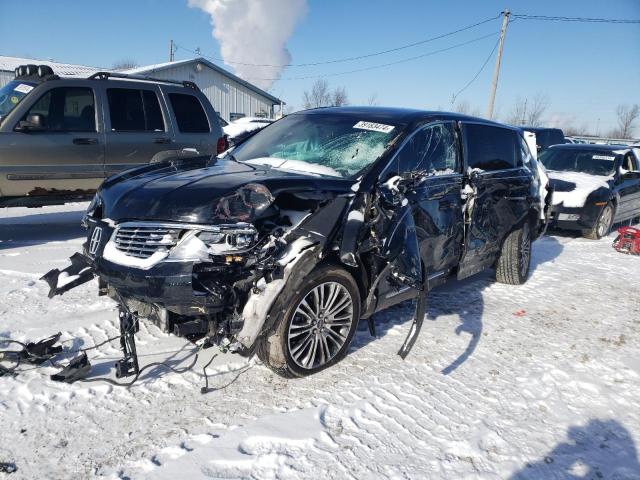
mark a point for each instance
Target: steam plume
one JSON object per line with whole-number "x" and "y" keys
{"x": 254, "y": 32}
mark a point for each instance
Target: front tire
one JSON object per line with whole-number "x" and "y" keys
{"x": 603, "y": 224}
{"x": 515, "y": 257}
{"x": 316, "y": 324}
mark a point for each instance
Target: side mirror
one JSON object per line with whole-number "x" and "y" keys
{"x": 33, "y": 123}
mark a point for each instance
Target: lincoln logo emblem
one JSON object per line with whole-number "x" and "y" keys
{"x": 95, "y": 240}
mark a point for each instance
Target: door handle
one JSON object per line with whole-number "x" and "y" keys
{"x": 161, "y": 140}
{"x": 85, "y": 141}
{"x": 517, "y": 199}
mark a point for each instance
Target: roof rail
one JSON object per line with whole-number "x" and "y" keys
{"x": 108, "y": 75}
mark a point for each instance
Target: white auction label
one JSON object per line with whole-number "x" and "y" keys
{"x": 374, "y": 127}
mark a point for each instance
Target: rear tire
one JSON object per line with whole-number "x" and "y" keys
{"x": 603, "y": 224}
{"x": 315, "y": 324}
{"x": 515, "y": 257}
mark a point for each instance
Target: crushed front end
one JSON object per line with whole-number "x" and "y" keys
{"x": 216, "y": 279}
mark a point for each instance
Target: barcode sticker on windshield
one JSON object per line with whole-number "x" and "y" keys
{"x": 374, "y": 127}
{"x": 23, "y": 88}
{"x": 603, "y": 157}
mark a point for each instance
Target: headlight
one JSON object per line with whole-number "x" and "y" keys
{"x": 229, "y": 238}
{"x": 244, "y": 204}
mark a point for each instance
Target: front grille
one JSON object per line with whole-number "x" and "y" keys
{"x": 142, "y": 241}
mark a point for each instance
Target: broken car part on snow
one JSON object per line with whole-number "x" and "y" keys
{"x": 280, "y": 246}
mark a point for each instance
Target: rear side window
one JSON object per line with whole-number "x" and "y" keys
{"x": 189, "y": 113}
{"x": 133, "y": 110}
{"x": 491, "y": 148}
{"x": 66, "y": 109}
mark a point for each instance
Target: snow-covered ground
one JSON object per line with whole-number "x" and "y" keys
{"x": 540, "y": 381}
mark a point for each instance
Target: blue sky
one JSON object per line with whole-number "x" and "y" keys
{"x": 585, "y": 69}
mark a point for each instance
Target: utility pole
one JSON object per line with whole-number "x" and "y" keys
{"x": 171, "y": 50}
{"x": 524, "y": 113}
{"x": 496, "y": 72}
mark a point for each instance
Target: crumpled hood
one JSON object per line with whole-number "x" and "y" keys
{"x": 189, "y": 191}
{"x": 571, "y": 189}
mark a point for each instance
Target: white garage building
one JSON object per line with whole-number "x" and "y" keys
{"x": 230, "y": 96}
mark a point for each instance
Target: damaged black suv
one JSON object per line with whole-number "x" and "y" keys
{"x": 282, "y": 244}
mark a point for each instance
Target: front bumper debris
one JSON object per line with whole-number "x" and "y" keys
{"x": 80, "y": 271}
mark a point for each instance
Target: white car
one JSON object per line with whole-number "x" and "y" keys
{"x": 244, "y": 125}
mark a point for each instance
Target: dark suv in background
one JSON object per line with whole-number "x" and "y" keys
{"x": 545, "y": 137}
{"x": 318, "y": 220}
{"x": 61, "y": 137}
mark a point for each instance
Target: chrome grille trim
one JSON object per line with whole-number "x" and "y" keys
{"x": 143, "y": 239}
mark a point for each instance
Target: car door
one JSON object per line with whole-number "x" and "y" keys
{"x": 136, "y": 127}
{"x": 628, "y": 188}
{"x": 62, "y": 156}
{"x": 497, "y": 194}
{"x": 427, "y": 221}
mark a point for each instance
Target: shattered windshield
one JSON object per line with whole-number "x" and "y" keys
{"x": 11, "y": 95}
{"x": 323, "y": 144}
{"x": 593, "y": 162}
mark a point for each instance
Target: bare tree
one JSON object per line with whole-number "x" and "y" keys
{"x": 627, "y": 115}
{"x": 319, "y": 95}
{"x": 528, "y": 112}
{"x": 571, "y": 130}
{"x": 517, "y": 114}
{"x": 536, "y": 110}
{"x": 463, "y": 107}
{"x": 372, "y": 100}
{"x": 339, "y": 97}
{"x": 124, "y": 64}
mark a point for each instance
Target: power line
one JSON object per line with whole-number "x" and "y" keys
{"x": 475, "y": 77}
{"x": 548, "y": 18}
{"x": 345, "y": 59}
{"x": 383, "y": 65}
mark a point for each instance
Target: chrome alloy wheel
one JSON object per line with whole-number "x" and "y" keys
{"x": 604, "y": 222}
{"x": 320, "y": 325}
{"x": 525, "y": 250}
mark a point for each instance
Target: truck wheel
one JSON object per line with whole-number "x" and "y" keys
{"x": 515, "y": 257}
{"x": 603, "y": 224}
{"x": 319, "y": 317}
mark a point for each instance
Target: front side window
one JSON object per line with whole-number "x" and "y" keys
{"x": 593, "y": 162}
{"x": 432, "y": 149}
{"x": 66, "y": 109}
{"x": 133, "y": 110}
{"x": 322, "y": 144}
{"x": 490, "y": 148}
{"x": 189, "y": 113}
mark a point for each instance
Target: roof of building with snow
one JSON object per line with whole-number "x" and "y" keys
{"x": 150, "y": 69}
{"x": 9, "y": 64}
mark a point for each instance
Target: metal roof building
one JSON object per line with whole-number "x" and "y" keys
{"x": 230, "y": 96}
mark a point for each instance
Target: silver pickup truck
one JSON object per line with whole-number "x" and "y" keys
{"x": 60, "y": 137}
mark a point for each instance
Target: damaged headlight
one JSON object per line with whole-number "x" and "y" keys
{"x": 94, "y": 210}
{"x": 246, "y": 203}
{"x": 229, "y": 238}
